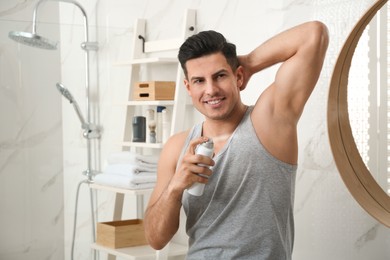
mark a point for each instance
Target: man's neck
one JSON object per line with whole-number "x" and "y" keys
{"x": 222, "y": 129}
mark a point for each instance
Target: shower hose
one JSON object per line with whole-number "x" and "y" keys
{"x": 75, "y": 218}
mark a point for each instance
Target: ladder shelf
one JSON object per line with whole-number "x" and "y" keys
{"x": 144, "y": 54}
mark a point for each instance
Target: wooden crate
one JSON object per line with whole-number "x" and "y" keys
{"x": 122, "y": 233}
{"x": 154, "y": 90}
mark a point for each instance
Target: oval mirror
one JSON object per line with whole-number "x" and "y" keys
{"x": 353, "y": 170}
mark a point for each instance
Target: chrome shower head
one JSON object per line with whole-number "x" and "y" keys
{"x": 33, "y": 40}
{"x": 65, "y": 92}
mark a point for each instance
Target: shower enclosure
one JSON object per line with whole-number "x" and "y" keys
{"x": 31, "y": 141}
{"x": 90, "y": 130}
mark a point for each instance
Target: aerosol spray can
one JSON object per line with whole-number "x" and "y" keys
{"x": 206, "y": 149}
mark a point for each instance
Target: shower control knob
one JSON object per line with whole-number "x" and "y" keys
{"x": 90, "y": 46}
{"x": 91, "y": 132}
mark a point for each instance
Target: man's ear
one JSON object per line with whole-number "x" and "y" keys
{"x": 240, "y": 77}
{"x": 187, "y": 85}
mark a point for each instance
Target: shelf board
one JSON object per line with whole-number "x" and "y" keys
{"x": 151, "y": 60}
{"x": 150, "y": 103}
{"x": 141, "y": 252}
{"x": 135, "y": 103}
{"x": 120, "y": 190}
{"x": 143, "y": 145}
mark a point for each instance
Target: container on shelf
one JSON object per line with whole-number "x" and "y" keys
{"x": 154, "y": 90}
{"x": 122, "y": 233}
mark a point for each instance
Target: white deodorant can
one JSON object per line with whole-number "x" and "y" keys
{"x": 206, "y": 149}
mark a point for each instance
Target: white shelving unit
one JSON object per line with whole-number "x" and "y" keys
{"x": 135, "y": 252}
{"x": 160, "y": 55}
{"x": 144, "y": 54}
{"x": 140, "y": 252}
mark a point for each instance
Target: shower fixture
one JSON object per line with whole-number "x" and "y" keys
{"x": 35, "y": 40}
{"x": 90, "y": 130}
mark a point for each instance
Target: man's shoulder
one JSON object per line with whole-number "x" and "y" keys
{"x": 175, "y": 143}
{"x": 179, "y": 138}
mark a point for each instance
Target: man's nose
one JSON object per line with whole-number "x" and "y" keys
{"x": 211, "y": 87}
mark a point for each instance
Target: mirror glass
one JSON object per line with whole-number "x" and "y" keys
{"x": 369, "y": 98}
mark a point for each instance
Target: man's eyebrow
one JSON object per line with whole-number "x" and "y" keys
{"x": 196, "y": 78}
{"x": 219, "y": 71}
{"x": 213, "y": 75}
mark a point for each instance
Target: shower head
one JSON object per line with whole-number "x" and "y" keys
{"x": 65, "y": 92}
{"x": 33, "y": 40}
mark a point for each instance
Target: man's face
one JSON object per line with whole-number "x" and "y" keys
{"x": 213, "y": 86}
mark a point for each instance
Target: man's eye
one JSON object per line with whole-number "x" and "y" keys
{"x": 197, "y": 81}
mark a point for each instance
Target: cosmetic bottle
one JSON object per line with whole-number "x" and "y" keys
{"x": 159, "y": 123}
{"x": 139, "y": 129}
{"x": 166, "y": 125}
{"x": 206, "y": 149}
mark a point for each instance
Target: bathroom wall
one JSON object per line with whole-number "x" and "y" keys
{"x": 31, "y": 157}
{"x": 329, "y": 223}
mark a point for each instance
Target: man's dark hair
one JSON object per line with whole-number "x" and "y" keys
{"x": 205, "y": 43}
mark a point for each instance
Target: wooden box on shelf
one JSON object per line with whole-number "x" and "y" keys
{"x": 154, "y": 90}
{"x": 122, "y": 233}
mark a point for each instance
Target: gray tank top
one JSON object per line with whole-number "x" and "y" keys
{"x": 246, "y": 210}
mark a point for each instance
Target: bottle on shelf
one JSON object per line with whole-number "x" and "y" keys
{"x": 166, "y": 125}
{"x": 151, "y": 123}
{"x": 139, "y": 129}
{"x": 159, "y": 122}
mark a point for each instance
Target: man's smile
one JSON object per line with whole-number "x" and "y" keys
{"x": 214, "y": 101}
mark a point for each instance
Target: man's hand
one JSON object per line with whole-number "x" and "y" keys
{"x": 189, "y": 170}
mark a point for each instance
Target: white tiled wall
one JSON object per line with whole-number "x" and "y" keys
{"x": 37, "y": 140}
{"x": 31, "y": 167}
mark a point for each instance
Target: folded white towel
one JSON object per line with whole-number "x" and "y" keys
{"x": 144, "y": 165}
{"x": 120, "y": 181}
{"x": 150, "y": 159}
{"x": 132, "y": 158}
{"x": 121, "y": 157}
{"x": 130, "y": 170}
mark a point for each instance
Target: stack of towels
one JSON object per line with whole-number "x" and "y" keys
{"x": 129, "y": 171}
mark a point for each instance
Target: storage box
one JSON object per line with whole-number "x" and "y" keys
{"x": 154, "y": 90}
{"x": 123, "y": 233}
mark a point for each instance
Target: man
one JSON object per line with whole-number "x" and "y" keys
{"x": 246, "y": 211}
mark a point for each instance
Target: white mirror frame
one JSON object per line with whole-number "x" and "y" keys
{"x": 353, "y": 170}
